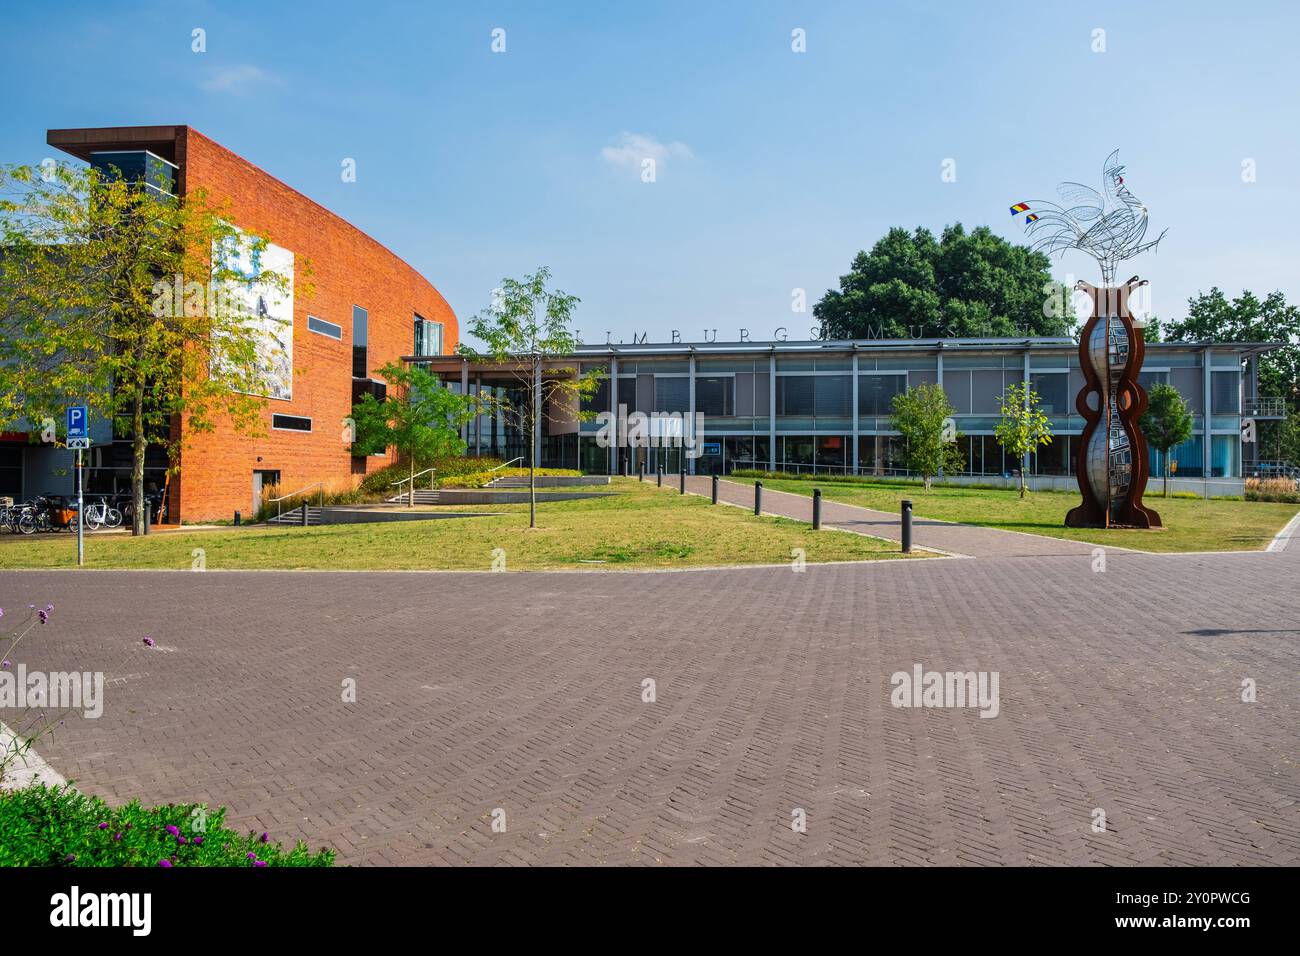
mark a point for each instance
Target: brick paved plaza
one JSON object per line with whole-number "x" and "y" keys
{"x": 524, "y": 692}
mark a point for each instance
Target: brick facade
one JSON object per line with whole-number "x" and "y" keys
{"x": 347, "y": 268}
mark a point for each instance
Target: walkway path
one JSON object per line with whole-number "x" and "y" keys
{"x": 523, "y": 693}
{"x": 945, "y": 536}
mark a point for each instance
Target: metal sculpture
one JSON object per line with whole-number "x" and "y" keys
{"x": 1111, "y": 465}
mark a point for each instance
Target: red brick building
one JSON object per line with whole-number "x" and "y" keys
{"x": 365, "y": 307}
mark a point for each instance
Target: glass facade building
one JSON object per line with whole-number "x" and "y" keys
{"x": 824, "y": 407}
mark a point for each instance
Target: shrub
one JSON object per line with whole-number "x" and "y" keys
{"x": 60, "y": 826}
{"x": 380, "y": 483}
{"x": 1282, "y": 490}
{"x": 478, "y": 479}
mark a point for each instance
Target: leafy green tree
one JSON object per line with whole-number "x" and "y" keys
{"x": 964, "y": 284}
{"x": 528, "y": 331}
{"x": 419, "y": 416}
{"x": 1166, "y": 423}
{"x": 923, "y": 417}
{"x": 1023, "y": 426}
{"x": 88, "y": 310}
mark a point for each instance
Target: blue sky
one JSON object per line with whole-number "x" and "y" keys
{"x": 775, "y": 167}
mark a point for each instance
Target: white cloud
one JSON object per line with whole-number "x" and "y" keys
{"x": 633, "y": 148}
{"x": 237, "y": 79}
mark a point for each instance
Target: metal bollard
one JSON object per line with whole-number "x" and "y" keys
{"x": 146, "y": 516}
{"x": 304, "y": 514}
{"x": 659, "y": 476}
{"x": 683, "y": 480}
{"x": 238, "y": 518}
{"x": 907, "y": 527}
{"x": 640, "y": 472}
{"x": 817, "y": 509}
{"x": 758, "y": 497}
{"x": 715, "y": 489}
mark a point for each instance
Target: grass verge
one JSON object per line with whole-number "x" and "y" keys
{"x": 640, "y": 527}
{"x": 1190, "y": 524}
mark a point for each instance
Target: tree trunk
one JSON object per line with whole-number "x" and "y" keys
{"x": 927, "y": 482}
{"x": 1166, "y": 492}
{"x": 535, "y": 439}
{"x": 138, "y": 445}
{"x": 1022, "y": 482}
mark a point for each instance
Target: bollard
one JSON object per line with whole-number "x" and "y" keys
{"x": 640, "y": 471}
{"x": 237, "y": 519}
{"x": 146, "y": 516}
{"x": 907, "y": 527}
{"x": 659, "y": 475}
{"x": 817, "y": 509}
{"x": 758, "y": 497}
{"x": 715, "y": 489}
{"x": 304, "y": 514}
{"x": 683, "y": 480}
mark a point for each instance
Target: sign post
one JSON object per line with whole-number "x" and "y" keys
{"x": 79, "y": 438}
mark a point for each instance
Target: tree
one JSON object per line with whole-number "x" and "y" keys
{"x": 923, "y": 416}
{"x": 419, "y": 416}
{"x": 146, "y": 307}
{"x": 528, "y": 330}
{"x": 965, "y": 284}
{"x": 1166, "y": 422}
{"x": 1023, "y": 426}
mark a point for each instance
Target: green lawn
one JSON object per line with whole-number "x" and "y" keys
{"x": 1190, "y": 524}
{"x": 641, "y": 527}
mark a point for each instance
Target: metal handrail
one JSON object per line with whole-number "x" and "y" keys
{"x": 318, "y": 484}
{"x": 411, "y": 478}
{"x": 506, "y": 465}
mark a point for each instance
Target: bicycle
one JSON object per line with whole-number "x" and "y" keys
{"x": 103, "y": 515}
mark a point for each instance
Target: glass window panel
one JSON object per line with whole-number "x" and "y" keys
{"x": 794, "y": 395}
{"x": 833, "y": 396}
{"x": 1053, "y": 391}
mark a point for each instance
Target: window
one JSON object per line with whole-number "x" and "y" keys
{"x": 1225, "y": 393}
{"x": 876, "y": 393}
{"x": 794, "y": 395}
{"x": 715, "y": 396}
{"x": 1053, "y": 389}
{"x": 360, "y": 339}
{"x": 327, "y": 329}
{"x": 833, "y": 396}
{"x": 672, "y": 394}
{"x": 428, "y": 337}
{"x": 290, "y": 423}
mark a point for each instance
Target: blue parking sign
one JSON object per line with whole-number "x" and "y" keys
{"x": 77, "y": 421}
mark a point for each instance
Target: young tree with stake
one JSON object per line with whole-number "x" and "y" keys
{"x": 1023, "y": 426}
{"x": 1167, "y": 422}
{"x": 419, "y": 416}
{"x": 528, "y": 330}
{"x": 923, "y": 417}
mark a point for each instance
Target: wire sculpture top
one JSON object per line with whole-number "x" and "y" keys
{"x": 1111, "y": 227}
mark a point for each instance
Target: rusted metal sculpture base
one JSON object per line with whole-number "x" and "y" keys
{"x": 1111, "y": 463}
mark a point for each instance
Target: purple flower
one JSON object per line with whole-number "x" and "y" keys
{"x": 180, "y": 841}
{"x": 148, "y": 642}
{"x": 173, "y": 830}
{"x": 259, "y": 863}
{"x": 165, "y": 863}
{"x": 103, "y": 826}
{"x": 4, "y": 665}
{"x": 117, "y": 835}
{"x": 49, "y": 607}
{"x": 263, "y": 837}
{"x": 198, "y": 841}
{"x": 44, "y": 616}
{"x": 251, "y": 855}
{"x": 69, "y": 858}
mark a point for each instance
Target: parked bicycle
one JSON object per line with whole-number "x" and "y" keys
{"x": 103, "y": 514}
